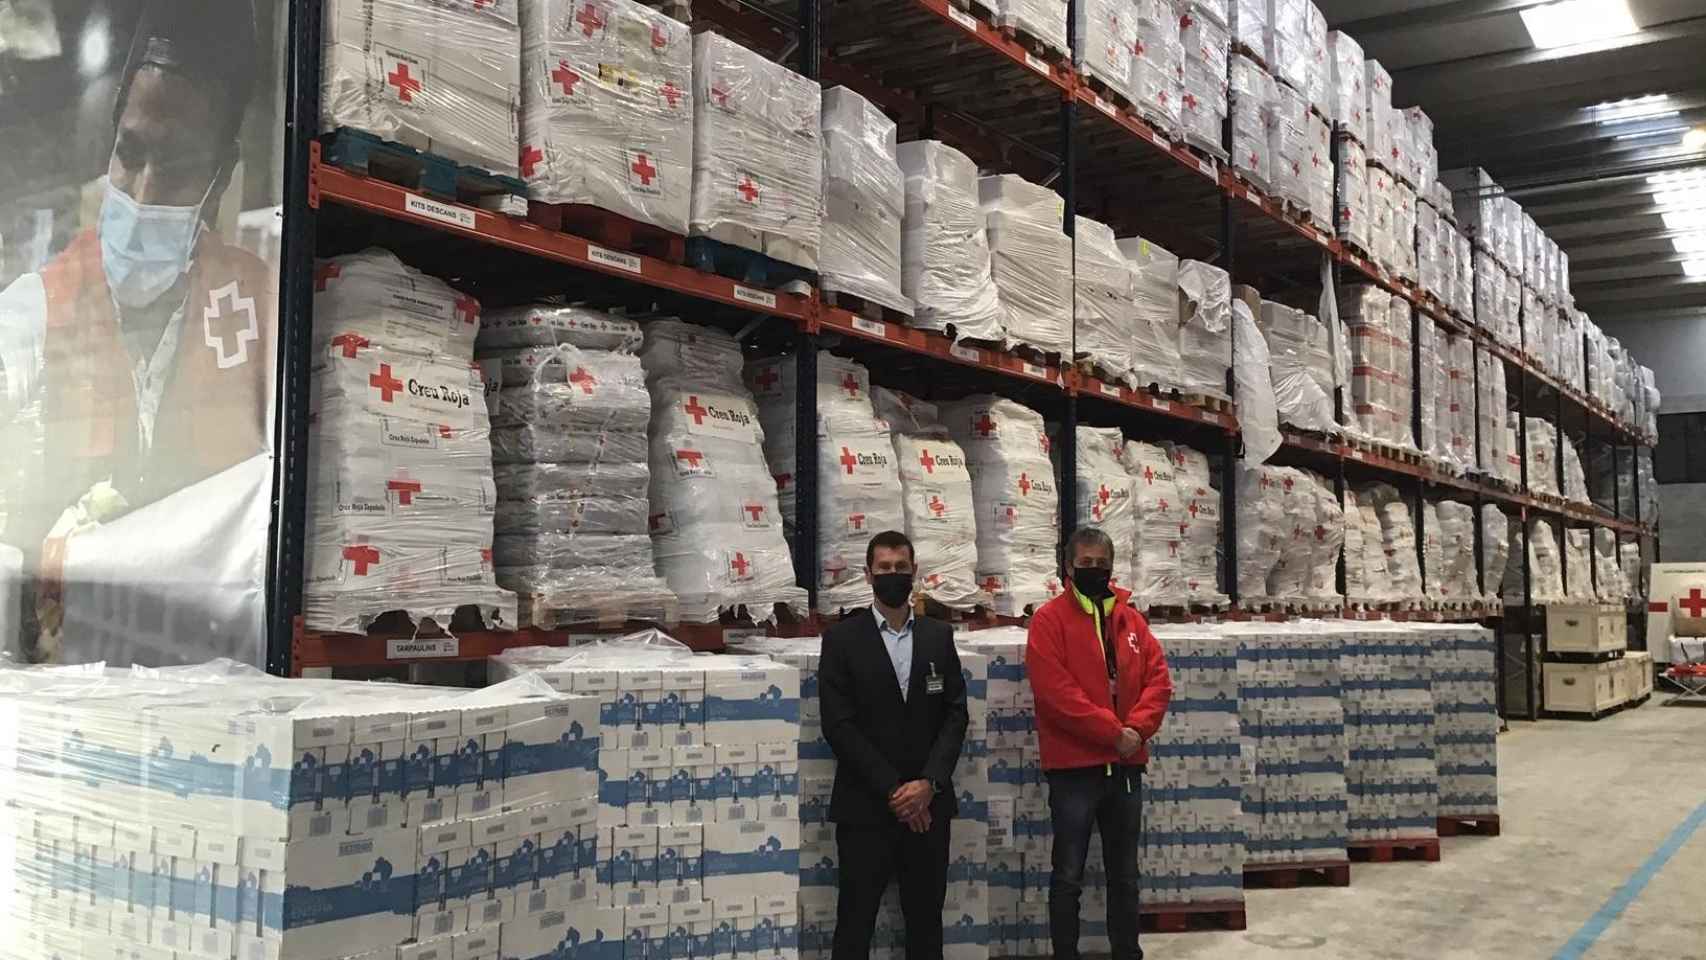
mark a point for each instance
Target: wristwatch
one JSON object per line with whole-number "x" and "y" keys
{"x": 937, "y": 787}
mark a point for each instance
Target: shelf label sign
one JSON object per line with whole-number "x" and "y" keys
{"x": 1036, "y": 63}
{"x": 402, "y": 648}
{"x": 612, "y": 258}
{"x": 1162, "y": 405}
{"x": 1110, "y": 389}
{"x": 1031, "y": 369}
{"x": 875, "y": 328}
{"x": 759, "y": 298}
{"x": 442, "y": 212}
{"x": 1207, "y": 168}
{"x": 962, "y": 18}
{"x": 1104, "y": 106}
{"x": 968, "y": 354}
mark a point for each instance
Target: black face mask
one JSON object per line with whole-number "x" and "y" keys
{"x": 892, "y": 589}
{"x": 1092, "y": 581}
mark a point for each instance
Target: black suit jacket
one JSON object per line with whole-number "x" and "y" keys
{"x": 880, "y": 741}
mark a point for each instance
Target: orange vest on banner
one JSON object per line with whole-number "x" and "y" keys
{"x": 214, "y": 408}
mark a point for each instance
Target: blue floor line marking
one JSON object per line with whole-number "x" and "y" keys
{"x": 1578, "y": 945}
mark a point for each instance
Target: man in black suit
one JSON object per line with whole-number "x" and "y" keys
{"x": 894, "y": 712}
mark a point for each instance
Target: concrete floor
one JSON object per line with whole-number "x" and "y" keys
{"x": 1583, "y": 807}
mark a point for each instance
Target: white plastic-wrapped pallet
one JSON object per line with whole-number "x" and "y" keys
{"x": 1377, "y": 86}
{"x": 864, "y": 198}
{"x": 1030, "y": 259}
{"x": 1404, "y": 230}
{"x": 1379, "y": 328}
{"x": 1398, "y": 539}
{"x": 1018, "y": 506}
{"x": 1319, "y": 67}
{"x": 607, "y": 108}
{"x": 716, "y": 526}
{"x": 1463, "y": 299}
{"x": 945, "y": 244}
{"x": 1328, "y": 541}
{"x": 1155, "y": 290}
{"x": 1459, "y": 406}
{"x": 1578, "y": 564}
{"x": 1541, "y": 451}
{"x": 1106, "y": 493}
{"x": 1380, "y": 199}
{"x": 1452, "y": 526}
{"x": 1423, "y": 159}
{"x": 1107, "y": 40}
{"x": 1347, "y": 99}
{"x": 1203, "y": 78}
{"x": 1105, "y": 311}
{"x": 1430, "y": 266}
{"x": 1430, "y": 369}
{"x": 936, "y": 492}
{"x": 1157, "y": 66}
{"x": 1205, "y": 328}
{"x": 1629, "y": 561}
{"x": 858, "y": 485}
{"x": 1159, "y": 533}
{"x": 1285, "y": 40}
{"x": 1316, "y": 170}
{"x": 1545, "y": 566}
{"x": 757, "y": 153}
{"x": 1575, "y": 478}
{"x": 1608, "y": 576}
{"x": 440, "y": 78}
{"x": 573, "y": 533}
{"x": 1248, "y": 20}
{"x": 1366, "y": 579}
{"x": 1495, "y": 549}
{"x": 1199, "y": 565}
{"x": 1291, "y": 576}
{"x": 1301, "y": 352}
{"x": 1354, "y": 216}
{"x": 1253, "y": 98}
{"x": 401, "y": 497}
{"x": 1044, "y": 20}
{"x": 1262, "y": 525}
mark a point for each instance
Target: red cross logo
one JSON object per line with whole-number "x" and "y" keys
{"x": 1096, "y": 512}
{"x": 782, "y": 481}
{"x": 351, "y": 343}
{"x": 1320, "y": 533}
{"x": 766, "y": 379}
{"x": 1149, "y": 477}
{"x": 991, "y": 584}
{"x": 747, "y": 189}
{"x": 478, "y": 4}
{"x": 584, "y": 380}
{"x": 754, "y": 510}
{"x": 1025, "y": 484}
{"x": 721, "y": 93}
{"x": 1138, "y": 48}
{"x": 856, "y": 521}
{"x": 671, "y": 93}
{"x": 444, "y": 431}
{"x": 1288, "y": 483}
{"x": 693, "y": 458}
{"x": 1185, "y": 22}
{"x": 1255, "y": 161}
{"x": 407, "y": 86}
{"x": 659, "y": 38}
{"x": 1053, "y": 586}
{"x": 1104, "y": 493}
{"x": 530, "y": 157}
{"x": 740, "y": 564}
{"x": 467, "y": 308}
{"x": 1193, "y": 509}
{"x": 1012, "y": 514}
{"x": 590, "y": 19}
{"x": 1694, "y": 604}
{"x": 363, "y": 556}
{"x": 850, "y": 384}
{"x": 985, "y": 426}
{"x": 934, "y": 580}
{"x": 927, "y": 461}
{"x": 694, "y": 410}
{"x": 566, "y": 77}
{"x": 643, "y": 169}
{"x": 1173, "y": 546}
{"x": 325, "y": 273}
{"x": 937, "y": 506}
{"x": 848, "y": 460}
{"x": 1190, "y": 101}
{"x": 404, "y": 488}
{"x": 485, "y": 557}
{"x": 1161, "y": 504}
{"x": 833, "y": 570}
{"x": 384, "y": 382}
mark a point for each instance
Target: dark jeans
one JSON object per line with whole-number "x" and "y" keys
{"x": 870, "y": 858}
{"x": 1112, "y": 803}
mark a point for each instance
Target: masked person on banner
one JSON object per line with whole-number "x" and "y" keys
{"x": 1101, "y": 686}
{"x": 894, "y": 712}
{"x": 138, "y": 359}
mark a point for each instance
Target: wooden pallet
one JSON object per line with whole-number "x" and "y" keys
{"x": 745, "y": 266}
{"x": 1035, "y": 45}
{"x": 1116, "y": 97}
{"x": 1425, "y": 849}
{"x": 1261, "y": 59}
{"x": 1597, "y": 714}
{"x": 1284, "y": 876}
{"x": 610, "y": 229}
{"x": 1183, "y": 917}
{"x": 1204, "y": 401}
{"x": 563, "y": 613}
{"x": 1485, "y": 825}
{"x": 862, "y": 306}
{"x": 363, "y": 153}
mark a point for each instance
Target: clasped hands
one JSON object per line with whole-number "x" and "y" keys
{"x": 910, "y": 803}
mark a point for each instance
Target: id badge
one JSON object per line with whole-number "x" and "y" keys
{"x": 933, "y": 684}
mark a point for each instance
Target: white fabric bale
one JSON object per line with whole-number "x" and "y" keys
{"x": 945, "y": 262}
{"x": 1495, "y": 549}
{"x": 1205, "y": 328}
{"x": 1200, "y": 563}
{"x": 1105, "y": 307}
{"x": 1328, "y": 540}
{"x": 371, "y": 299}
{"x": 1252, "y": 97}
{"x": 1301, "y": 350}
{"x": 1397, "y": 529}
{"x": 1018, "y": 505}
{"x": 1106, "y": 494}
{"x": 936, "y": 492}
{"x": 1578, "y": 563}
{"x": 1157, "y": 86}
{"x": 864, "y": 195}
{"x": 1155, "y": 292}
{"x": 1030, "y": 259}
{"x": 1355, "y": 214}
{"x": 546, "y": 325}
{"x": 1158, "y": 541}
{"x": 1609, "y": 580}
{"x": 1260, "y": 535}
{"x": 1203, "y": 101}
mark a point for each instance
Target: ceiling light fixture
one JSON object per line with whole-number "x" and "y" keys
{"x": 1569, "y": 22}
{"x": 1653, "y": 106}
{"x": 1694, "y": 269}
{"x": 1695, "y": 140}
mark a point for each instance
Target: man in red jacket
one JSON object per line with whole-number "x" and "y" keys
{"x": 1101, "y": 686}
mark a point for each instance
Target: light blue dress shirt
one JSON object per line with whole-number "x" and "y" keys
{"x": 899, "y": 645}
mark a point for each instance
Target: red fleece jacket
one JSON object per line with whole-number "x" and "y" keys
{"x": 1077, "y": 722}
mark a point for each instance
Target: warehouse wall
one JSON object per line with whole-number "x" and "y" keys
{"x": 1675, "y": 347}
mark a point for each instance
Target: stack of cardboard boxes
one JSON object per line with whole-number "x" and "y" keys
{"x": 1392, "y": 776}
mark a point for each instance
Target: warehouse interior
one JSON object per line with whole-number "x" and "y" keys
{"x": 438, "y": 440}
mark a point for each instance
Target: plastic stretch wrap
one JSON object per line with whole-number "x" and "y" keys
{"x": 1578, "y": 564}
{"x": 1430, "y": 386}
{"x": 1381, "y": 384}
{"x": 1354, "y": 215}
{"x": 1261, "y": 515}
{"x": 1253, "y": 382}
{"x": 1107, "y": 41}
{"x": 401, "y": 498}
{"x": 1346, "y": 77}
{"x": 1478, "y": 199}
{"x": 1365, "y": 557}
{"x": 716, "y": 526}
{"x": 1297, "y": 530}
{"x": 1458, "y": 405}
{"x": 1452, "y": 527}
{"x": 214, "y": 811}
{"x": 945, "y": 262}
{"x": 1403, "y": 231}
{"x": 1423, "y": 159}
{"x": 1430, "y": 260}
{"x": 1155, "y": 291}
{"x": 1316, "y": 170}
{"x": 858, "y": 484}
{"x": 1541, "y": 452}
{"x": 1043, "y": 19}
{"x": 1248, "y": 20}
{"x": 546, "y": 325}
{"x": 1018, "y": 506}
{"x": 1651, "y": 400}
{"x": 1200, "y": 525}
{"x": 864, "y": 199}
{"x": 1030, "y": 259}
{"x": 1205, "y": 328}
{"x": 572, "y": 533}
{"x": 1204, "y": 78}
{"x": 1545, "y": 566}
{"x": 1286, "y": 42}
{"x": 1381, "y": 237}
{"x": 1106, "y": 493}
{"x": 1629, "y": 561}
{"x": 1539, "y": 330}
{"x": 547, "y": 443}
{"x": 1159, "y": 528}
{"x": 1463, "y": 290}
{"x": 1301, "y": 350}
{"x": 1515, "y": 238}
{"x": 1570, "y": 369}
{"x": 1327, "y": 542}
{"x": 1253, "y": 100}
{"x": 1157, "y": 65}
{"x": 757, "y": 153}
{"x": 1290, "y": 151}
{"x": 1378, "y": 116}
{"x": 1319, "y": 68}
{"x": 1397, "y": 532}
{"x": 1609, "y": 581}
{"x": 936, "y": 493}
{"x": 607, "y": 108}
{"x": 1495, "y": 549}
{"x": 440, "y": 78}
{"x": 1105, "y": 307}
{"x": 1220, "y": 11}
{"x": 1575, "y": 479}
